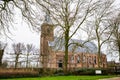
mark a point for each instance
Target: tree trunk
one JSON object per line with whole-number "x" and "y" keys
{"x": 1, "y": 56}
{"x": 66, "y": 51}
{"x": 27, "y": 60}
{"x": 99, "y": 57}
{"x": 16, "y": 60}
{"x": 119, "y": 53}
{"x": 99, "y": 45}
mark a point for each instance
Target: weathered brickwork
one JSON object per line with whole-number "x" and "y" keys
{"x": 76, "y": 60}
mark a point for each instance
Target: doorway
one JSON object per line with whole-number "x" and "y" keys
{"x": 60, "y": 64}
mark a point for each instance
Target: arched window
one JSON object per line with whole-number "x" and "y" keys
{"x": 90, "y": 59}
{"x": 72, "y": 59}
{"x": 84, "y": 59}
{"x": 95, "y": 60}
{"x": 78, "y": 59}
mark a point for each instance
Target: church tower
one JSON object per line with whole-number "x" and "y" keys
{"x": 46, "y": 37}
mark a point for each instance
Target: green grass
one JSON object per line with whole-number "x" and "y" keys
{"x": 63, "y": 78}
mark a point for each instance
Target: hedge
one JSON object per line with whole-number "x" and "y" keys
{"x": 11, "y": 73}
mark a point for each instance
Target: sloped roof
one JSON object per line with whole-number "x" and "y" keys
{"x": 76, "y": 45}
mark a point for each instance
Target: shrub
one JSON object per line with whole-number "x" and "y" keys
{"x": 4, "y": 64}
{"x": 84, "y": 71}
{"x": 9, "y": 73}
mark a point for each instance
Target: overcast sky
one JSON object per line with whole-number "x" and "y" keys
{"x": 22, "y": 33}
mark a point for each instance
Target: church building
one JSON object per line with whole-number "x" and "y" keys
{"x": 51, "y": 57}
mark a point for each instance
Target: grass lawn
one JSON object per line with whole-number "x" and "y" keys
{"x": 63, "y": 78}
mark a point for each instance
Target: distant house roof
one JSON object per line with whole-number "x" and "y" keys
{"x": 76, "y": 45}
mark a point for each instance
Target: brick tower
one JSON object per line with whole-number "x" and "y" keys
{"x": 46, "y": 37}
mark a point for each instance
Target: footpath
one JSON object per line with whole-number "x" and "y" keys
{"x": 115, "y": 78}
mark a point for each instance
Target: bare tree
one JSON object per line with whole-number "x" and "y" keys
{"x": 114, "y": 42}
{"x": 18, "y": 49}
{"x": 2, "y": 48}
{"x": 100, "y": 25}
{"x": 8, "y": 8}
{"x": 29, "y": 10}
{"x": 38, "y": 59}
{"x": 29, "y": 48}
{"x": 68, "y": 18}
